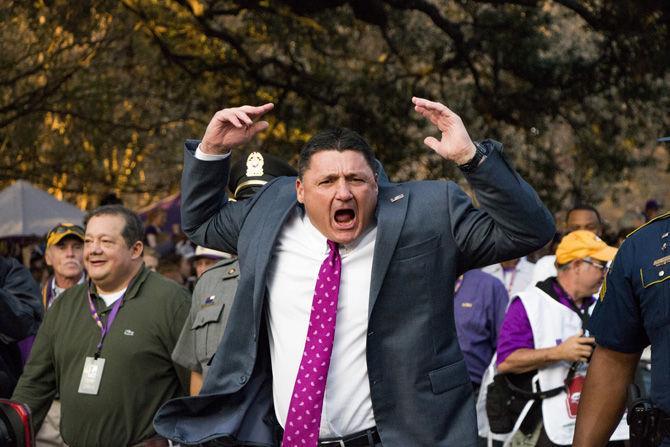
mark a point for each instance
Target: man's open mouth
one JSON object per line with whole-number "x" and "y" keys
{"x": 345, "y": 217}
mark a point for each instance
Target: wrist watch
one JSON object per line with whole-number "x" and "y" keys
{"x": 481, "y": 152}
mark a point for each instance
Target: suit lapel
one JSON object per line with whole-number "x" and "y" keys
{"x": 283, "y": 205}
{"x": 391, "y": 209}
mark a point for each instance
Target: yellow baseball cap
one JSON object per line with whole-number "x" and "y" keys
{"x": 582, "y": 244}
{"x": 63, "y": 230}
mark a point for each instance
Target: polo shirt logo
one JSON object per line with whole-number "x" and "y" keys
{"x": 128, "y": 332}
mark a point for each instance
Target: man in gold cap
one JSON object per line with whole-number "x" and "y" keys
{"x": 65, "y": 255}
{"x": 543, "y": 347}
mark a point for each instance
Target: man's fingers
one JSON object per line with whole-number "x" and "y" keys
{"x": 422, "y": 102}
{"x": 243, "y": 117}
{"x": 431, "y": 105}
{"x": 257, "y": 111}
{"x": 587, "y": 340}
{"x": 228, "y": 116}
{"x": 257, "y": 127}
{"x": 432, "y": 143}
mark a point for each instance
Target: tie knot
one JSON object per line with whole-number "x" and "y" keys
{"x": 332, "y": 245}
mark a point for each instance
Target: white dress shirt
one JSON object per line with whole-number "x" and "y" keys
{"x": 299, "y": 252}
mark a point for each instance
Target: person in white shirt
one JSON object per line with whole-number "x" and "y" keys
{"x": 396, "y": 374}
{"x": 515, "y": 274}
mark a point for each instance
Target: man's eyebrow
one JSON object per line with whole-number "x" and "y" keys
{"x": 328, "y": 177}
{"x": 348, "y": 176}
{"x": 356, "y": 174}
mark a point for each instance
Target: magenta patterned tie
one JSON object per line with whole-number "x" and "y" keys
{"x": 304, "y": 415}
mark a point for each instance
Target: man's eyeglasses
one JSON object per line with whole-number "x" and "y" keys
{"x": 604, "y": 268}
{"x": 65, "y": 227}
{"x": 62, "y": 230}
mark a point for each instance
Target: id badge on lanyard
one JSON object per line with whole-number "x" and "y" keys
{"x": 91, "y": 376}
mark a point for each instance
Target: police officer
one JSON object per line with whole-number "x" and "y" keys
{"x": 215, "y": 290}
{"x": 633, "y": 312}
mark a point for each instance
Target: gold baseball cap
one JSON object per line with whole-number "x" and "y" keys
{"x": 582, "y": 244}
{"x": 63, "y": 230}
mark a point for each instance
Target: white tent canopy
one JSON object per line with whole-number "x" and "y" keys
{"x": 28, "y": 211}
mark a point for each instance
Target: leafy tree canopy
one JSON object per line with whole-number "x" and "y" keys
{"x": 99, "y": 97}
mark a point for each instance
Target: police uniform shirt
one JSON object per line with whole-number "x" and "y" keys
{"x": 634, "y": 309}
{"x": 213, "y": 297}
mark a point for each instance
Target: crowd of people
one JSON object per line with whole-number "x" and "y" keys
{"x": 432, "y": 322}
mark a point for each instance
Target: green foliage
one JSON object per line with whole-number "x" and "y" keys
{"x": 99, "y": 97}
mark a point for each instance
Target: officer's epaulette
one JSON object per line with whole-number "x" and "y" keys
{"x": 226, "y": 262}
{"x": 660, "y": 217}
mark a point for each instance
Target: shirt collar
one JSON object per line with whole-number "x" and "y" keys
{"x": 133, "y": 287}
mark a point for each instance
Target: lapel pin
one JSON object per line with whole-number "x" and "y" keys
{"x": 398, "y": 197}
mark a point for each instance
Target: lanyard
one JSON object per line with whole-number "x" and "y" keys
{"x": 47, "y": 294}
{"x": 104, "y": 328}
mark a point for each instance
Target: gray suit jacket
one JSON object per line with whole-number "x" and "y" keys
{"x": 428, "y": 233}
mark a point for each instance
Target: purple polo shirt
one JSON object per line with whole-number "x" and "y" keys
{"x": 479, "y": 309}
{"x": 516, "y": 332}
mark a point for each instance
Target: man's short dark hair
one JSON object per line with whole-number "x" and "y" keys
{"x": 339, "y": 139}
{"x": 133, "y": 230}
{"x": 583, "y": 207}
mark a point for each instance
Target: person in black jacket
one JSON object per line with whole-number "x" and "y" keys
{"x": 20, "y": 316}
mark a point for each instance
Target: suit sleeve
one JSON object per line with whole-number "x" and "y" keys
{"x": 511, "y": 222}
{"x": 20, "y": 306}
{"x": 207, "y": 217}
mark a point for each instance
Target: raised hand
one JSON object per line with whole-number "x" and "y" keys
{"x": 455, "y": 143}
{"x": 233, "y": 127}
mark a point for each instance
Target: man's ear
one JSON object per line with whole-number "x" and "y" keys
{"x": 300, "y": 190}
{"x": 47, "y": 257}
{"x": 136, "y": 250}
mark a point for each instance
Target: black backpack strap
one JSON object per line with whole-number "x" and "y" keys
{"x": 542, "y": 394}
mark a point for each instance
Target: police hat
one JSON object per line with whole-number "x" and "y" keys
{"x": 250, "y": 174}
{"x": 209, "y": 253}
